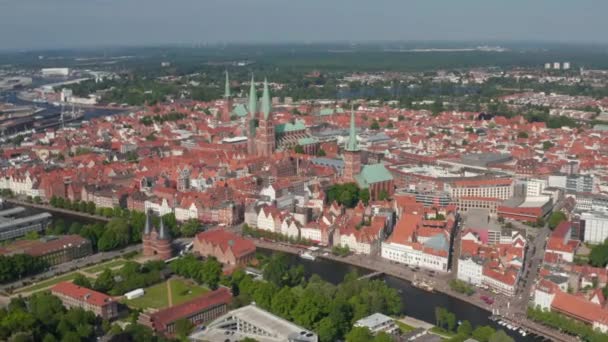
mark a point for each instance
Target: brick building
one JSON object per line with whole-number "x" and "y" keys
{"x": 74, "y": 296}
{"x": 156, "y": 243}
{"x": 200, "y": 310}
{"x": 54, "y": 250}
{"x": 226, "y": 247}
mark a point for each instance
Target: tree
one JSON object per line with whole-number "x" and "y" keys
{"x": 501, "y": 336}
{"x": 105, "y": 281}
{"x": 556, "y": 218}
{"x": 599, "y": 255}
{"x": 359, "y": 334}
{"x": 276, "y": 270}
{"x": 327, "y": 330}
{"x": 383, "y": 337}
{"x": 82, "y": 281}
{"x": 299, "y": 149}
{"x": 383, "y": 195}
{"x": 211, "y": 271}
{"x": 263, "y": 294}
{"x": 450, "y": 319}
{"x": 547, "y": 145}
{"x": 183, "y": 327}
{"x": 283, "y": 303}
{"x": 389, "y": 125}
{"x": 465, "y": 328}
{"x": 321, "y": 153}
{"x": 483, "y": 333}
{"x": 374, "y": 125}
{"x": 190, "y": 228}
{"x": 364, "y": 196}
{"x": 522, "y": 135}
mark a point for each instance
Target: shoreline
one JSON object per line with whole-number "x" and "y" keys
{"x": 530, "y": 326}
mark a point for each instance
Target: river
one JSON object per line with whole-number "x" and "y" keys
{"x": 417, "y": 303}
{"x": 49, "y": 109}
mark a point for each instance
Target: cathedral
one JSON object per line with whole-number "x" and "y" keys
{"x": 264, "y": 135}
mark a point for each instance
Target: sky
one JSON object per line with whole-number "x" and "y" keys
{"x": 41, "y": 24}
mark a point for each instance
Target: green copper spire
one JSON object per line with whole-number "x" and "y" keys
{"x": 266, "y": 101}
{"x": 227, "y": 89}
{"x": 253, "y": 98}
{"x": 351, "y": 143}
{"x": 253, "y": 103}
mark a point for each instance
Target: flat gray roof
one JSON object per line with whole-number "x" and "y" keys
{"x": 281, "y": 329}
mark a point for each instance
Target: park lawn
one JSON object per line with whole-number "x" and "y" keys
{"x": 184, "y": 290}
{"x": 49, "y": 282}
{"x": 403, "y": 327}
{"x": 442, "y": 332}
{"x": 155, "y": 297}
{"x": 108, "y": 264}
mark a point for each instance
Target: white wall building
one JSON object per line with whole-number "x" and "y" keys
{"x": 596, "y": 227}
{"x": 266, "y": 220}
{"x": 408, "y": 255}
{"x": 535, "y": 187}
{"x": 470, "y": 270}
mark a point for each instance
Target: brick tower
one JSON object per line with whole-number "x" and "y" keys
{"x": 265, "y": 137}
{"x": 352, "y": 153}
{"x": 156, "y": 244}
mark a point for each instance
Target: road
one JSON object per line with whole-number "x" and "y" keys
{"x": 72, "y": 266}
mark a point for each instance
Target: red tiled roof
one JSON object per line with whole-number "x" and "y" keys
{"x": 39, "y": 248}
{"x": 484, "y": 182}
{"x": 165, "y": 317}
{"x": 226, "y": 240}
{"x": 81, "y": 293}
{"x": 579, "y": 308}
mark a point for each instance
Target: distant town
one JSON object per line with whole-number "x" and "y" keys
{"x": 204, "y": 204}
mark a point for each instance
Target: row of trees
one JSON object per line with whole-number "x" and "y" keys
{"x": 461, "y": 287}
{"x": 66, "y": 203}
{"x": 173, "y": 116}
{"x": 327, "y": 309}
{"x": 208, "y": 272}
{"x": 130, "y": 277}
{"x": 347, "y": 194}
{"x": 446, "y": 321}
{"x": 562, "y": 323}
{"x": 14, "y": 267}
{"x": 44, "y": 318}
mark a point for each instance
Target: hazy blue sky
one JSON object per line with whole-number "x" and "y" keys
{"x": 26, "y": 24}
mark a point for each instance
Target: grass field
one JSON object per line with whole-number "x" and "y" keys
{"x": 48, "y": 283}
{"x": 103, "y": 266}
{"x": 157, "y": 296}
{"x": 404, "y": 327}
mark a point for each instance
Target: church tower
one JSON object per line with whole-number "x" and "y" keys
{"x": 265, "y": 142}
{"x": 250, "y": 129}
{"x": 227, "y": 109}
{"x": 352, "y": 153}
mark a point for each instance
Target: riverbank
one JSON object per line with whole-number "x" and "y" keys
{"x": 440, "y": 284}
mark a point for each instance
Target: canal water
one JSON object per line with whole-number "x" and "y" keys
{"x": 49, "y": 109}
{"x": 417, "y": 303}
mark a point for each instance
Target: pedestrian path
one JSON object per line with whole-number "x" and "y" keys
{"x": 416, "y": 323}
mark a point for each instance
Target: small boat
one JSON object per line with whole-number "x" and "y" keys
{"x": 308, "y": 256}
{"x": 509, "y": 326}
{"x": 423, "y": 285}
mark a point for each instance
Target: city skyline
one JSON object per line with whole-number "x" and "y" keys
{"x": 36, "y": 24}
